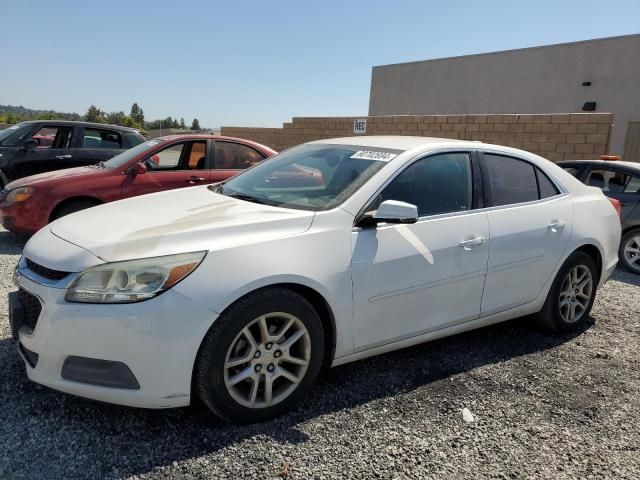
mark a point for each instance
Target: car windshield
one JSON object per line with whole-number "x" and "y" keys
{"x": 308, "y": 177}
{"x": 14, "y": 135}
{"x": 128, "y": 155}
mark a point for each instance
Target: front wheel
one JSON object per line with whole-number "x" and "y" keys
{"x": 260, "y": 357}
{"x": 571, "y": 295}
{"x": 629, "y": 253}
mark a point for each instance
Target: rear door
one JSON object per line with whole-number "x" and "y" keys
{"x": 617, "y": 183}
{"x": 230, "y": 158}
{"x": 178, "y": 165}
{"x": 530, "y": 220}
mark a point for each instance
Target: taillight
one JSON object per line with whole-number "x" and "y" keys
{"x": 616, "y": 204}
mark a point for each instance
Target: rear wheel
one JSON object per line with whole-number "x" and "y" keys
{"x": 571, "y": 295}
{"x": 260, "y": 357}
{"x": 629, "y": 253}
{"x": 72, "y": 207}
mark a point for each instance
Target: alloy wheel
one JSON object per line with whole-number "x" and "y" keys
{"x": 575, "y": 293}
{"x": 632, "y": 252}
{"x": 267, "y": 360}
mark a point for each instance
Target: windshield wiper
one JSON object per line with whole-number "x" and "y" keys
{"x": 101, "y": 165}
{"x": 248, "y": 198}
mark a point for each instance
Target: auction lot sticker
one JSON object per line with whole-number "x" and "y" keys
{"x": 370, "y": 155}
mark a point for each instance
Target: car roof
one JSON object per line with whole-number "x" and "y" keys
{"x": 615, "y": 163}
{"x": 398, "y": 142}
{"x": 83, "y": 124}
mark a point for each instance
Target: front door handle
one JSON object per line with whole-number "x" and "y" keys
{"x": 469, "y": 243}
{"x": 63, "y": 157}
{"x": 195, "y": 179}
{"x": 556, "y": 225}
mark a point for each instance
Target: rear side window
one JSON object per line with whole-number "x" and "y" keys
{"x": 613, "y": 181}
{"x": 511, "y": 180}
{"x": 545, "y": 185}
{"x": 98, "y": 138}
{"x": 234, "y": 156}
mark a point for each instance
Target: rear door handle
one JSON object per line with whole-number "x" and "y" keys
{"x": 556, "y": 225}
{"x": 196, "y": 179}
{"x": 469, "y": 243}
{"x": 63, "y": 157}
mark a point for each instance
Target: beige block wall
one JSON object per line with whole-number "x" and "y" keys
{"x": 566, "y": 136}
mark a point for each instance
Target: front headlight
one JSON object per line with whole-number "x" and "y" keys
{"x": 133, "y": 280}
{"x": 20, "y": 194}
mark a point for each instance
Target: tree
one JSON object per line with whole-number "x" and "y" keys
{"x": 94, "y": 114}
{"x": 182, "y": 125}
{"x": 195, "y": 125}
{"x": 137, "y": 114}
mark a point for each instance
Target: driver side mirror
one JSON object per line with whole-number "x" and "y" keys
{"x": 138, "y": 169}
{"x": 391, "y": 211}
{"x": 30, "y": 144}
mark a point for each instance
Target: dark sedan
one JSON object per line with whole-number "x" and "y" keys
{"x": 619, "y": 180}
{"x": 40, "y": 146}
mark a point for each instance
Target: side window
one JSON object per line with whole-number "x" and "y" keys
{"x": 436, "y": 184}
{"x": 613, "y": 181}
{"x": 53, "y": 137}
{"x": 235, "y": 156}
{"x": 181, "y": 156}
{"x": 545, "y": 185}
{"x": 197, "y": 156}
{"x": 167, "y": 159}
{"x": 633, "y": 186}
{"x": 512, "y": 180}
{"x": 98, "y": 138}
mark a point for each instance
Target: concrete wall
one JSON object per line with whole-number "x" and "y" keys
{"x": 532, "y": 80}
{"x": 556, "y": 137}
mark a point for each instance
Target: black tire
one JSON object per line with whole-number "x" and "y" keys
{"x": 628, "y": 240}
{"x": 209, "y": 370}
{"x": 551, "y": 316}
{"x": 72, "y": 207}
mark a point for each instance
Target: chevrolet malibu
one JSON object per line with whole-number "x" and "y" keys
{"x": 241, "y": 291}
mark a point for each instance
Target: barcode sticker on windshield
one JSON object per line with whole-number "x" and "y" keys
{"x": 370, "y": 155}
{"x": 152, "y": 143}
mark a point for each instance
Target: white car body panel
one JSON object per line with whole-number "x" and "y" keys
{"x": 418, "y": 273}
{"x": 386, "y": 288}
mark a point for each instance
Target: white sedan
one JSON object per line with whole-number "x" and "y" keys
{"x": 332, "y": 251}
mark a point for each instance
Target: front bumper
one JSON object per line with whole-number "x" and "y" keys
{"x": 24, "y": 217}
{"x": 157, "y": 340}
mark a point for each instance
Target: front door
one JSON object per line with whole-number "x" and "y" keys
{"x": 413, "y": 279}
{"x": 179, "y": 165}
{"x": 52, "y": 153}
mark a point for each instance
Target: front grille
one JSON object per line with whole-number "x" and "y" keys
{"x": 45, "y": 272}
{"x": 32, "y": 307}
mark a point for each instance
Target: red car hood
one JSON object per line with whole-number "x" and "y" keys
{"x": 48, "y": 176}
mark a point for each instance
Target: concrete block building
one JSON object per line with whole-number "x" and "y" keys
{"x": 601, "y": 75}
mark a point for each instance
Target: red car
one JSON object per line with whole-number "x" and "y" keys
{"x": 28, "y": 204}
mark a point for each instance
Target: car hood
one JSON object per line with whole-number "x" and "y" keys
{"x": 176, "y": 221}
{"x": 57, "y": 174}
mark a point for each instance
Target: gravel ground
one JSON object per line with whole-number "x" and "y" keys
{"x": 542, "y": 406}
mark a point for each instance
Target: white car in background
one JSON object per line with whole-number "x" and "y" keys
{"x": 327, "y": 253}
